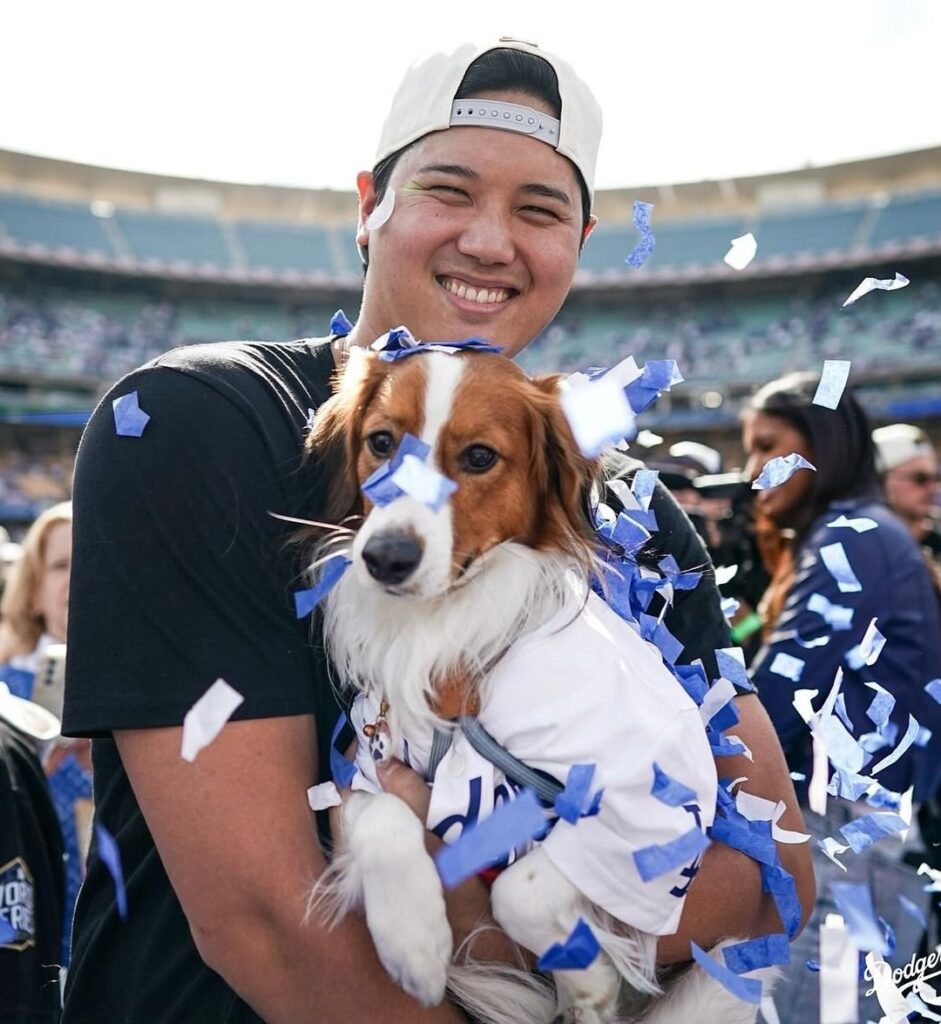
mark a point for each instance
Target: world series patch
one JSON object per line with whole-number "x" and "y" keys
{"x": 17, "y": 904}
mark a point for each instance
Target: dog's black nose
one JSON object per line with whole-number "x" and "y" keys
{"x": 392, "y": 557}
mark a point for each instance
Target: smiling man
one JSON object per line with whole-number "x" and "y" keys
{"x": 180, "y": 576}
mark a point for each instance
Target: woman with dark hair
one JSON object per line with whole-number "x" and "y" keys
{"x": 814, "y": 623}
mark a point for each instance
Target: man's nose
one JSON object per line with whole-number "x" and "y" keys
{"x": 392, "y": 557}
{"x": 488, "y": 237}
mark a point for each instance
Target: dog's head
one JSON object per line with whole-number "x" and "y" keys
{"x": 499, "y": 435}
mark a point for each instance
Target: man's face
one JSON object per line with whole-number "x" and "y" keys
{"x": 483, "y": 239}
{"x": 911, "y": 488}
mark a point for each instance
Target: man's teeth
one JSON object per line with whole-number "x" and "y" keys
{"x": 481, "y": 295}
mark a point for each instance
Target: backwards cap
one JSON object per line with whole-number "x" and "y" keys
{"x": 425, "y": 103}
{"x": 899, "y": 443}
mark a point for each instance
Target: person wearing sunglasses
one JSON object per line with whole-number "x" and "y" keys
{"x": 909, "y": 468}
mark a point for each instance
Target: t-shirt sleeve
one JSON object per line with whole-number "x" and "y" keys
{"x": 180, "y": 574}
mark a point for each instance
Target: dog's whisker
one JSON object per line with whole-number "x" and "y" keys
{"x": 310, "y": 522}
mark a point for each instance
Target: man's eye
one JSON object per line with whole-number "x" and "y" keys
{"x": 380, "y": 443}
{"x": 543, "y": 211}
{"x": 478, "y": 458}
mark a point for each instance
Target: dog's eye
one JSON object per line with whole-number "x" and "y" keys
{"x": 478, "y": 458}
{"x": 380, "y": 443}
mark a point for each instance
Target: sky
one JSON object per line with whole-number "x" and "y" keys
{"x": 286, "y": 93}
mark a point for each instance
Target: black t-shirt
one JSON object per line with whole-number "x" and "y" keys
{"x": 32, "y": 886}
{"x": 180, "y": 576}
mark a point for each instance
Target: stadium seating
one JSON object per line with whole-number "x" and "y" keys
{"x": 833, "y": 228}
{"x": 907, "y": 217}
{"x": 283, "y": 247}
{"x": 173, "y": 239}
{"x": 54, "y": 225}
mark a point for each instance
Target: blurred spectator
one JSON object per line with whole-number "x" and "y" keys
{"x": 814, "y": 626}
{"x": 31, "y": 869}
{"x": 908, "y": 465}
{"x": 34, "y": 613}
{"x": 806, "y": 640}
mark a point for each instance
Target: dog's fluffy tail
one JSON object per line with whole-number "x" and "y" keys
{"x": 633, "y": 953}
{"x": 500, "y": 994}
{"x": 337, "y": 892}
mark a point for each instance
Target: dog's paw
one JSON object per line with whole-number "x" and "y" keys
{"x": 584, "y": 1013}
{"x": 411, "y": 933}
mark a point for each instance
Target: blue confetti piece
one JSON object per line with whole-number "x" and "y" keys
{"x": 863, "y": 832}
{"x": 129, "y": 418}
{"x": 730, "y": 662}
{"x": 839, "y": 708}
{"x": 305, "y": 601}
{"x": 400, "y": 343}
{"x": 854, "y": 902}
{"x": 341, "y": 768}
{"x": 780, "y": 886}
{"x": 748, "y": 989}
{"x": 576, "y": 801}
{"x": 907, "y": 740}
{"x": 924, "y": 736}
{"x": 729, "y": 606}
{"x": 881, "y": 707}
{"x": 749, "y": 839}
{"x": 111, "y": 858}
{"x": 340, "y": 326}
{"x": 913, "y": 910}
{"x": 833, "y": 380}
{"x": 643, "y": 486}
{"x": 656, "y": 632}
{"x": 885, "y": 798}
{"x": 693, "y": 680}
{"x": 834, "y": 558}
{"x": 7, "y": 933}
{"x": 379, "y": 487}
{"x": 658, "y": 375}
{"x": 647, "y": 241}
{"x": 656, "y": 860}
{"x": 668, "y": 791}
{"x": 579, "y": 951}
{"x": 933, "y": 689}
{"x": 721, "y": 747}
{"x": 510, "y": 826}
{"x": 780, "y": 469}
{"x": 423, "y": 483}
{"x": 848, "y": 785}
{"x": 843, "y": 751}
{"x": 765, "y": 951}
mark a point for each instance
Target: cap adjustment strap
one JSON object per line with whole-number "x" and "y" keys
{"x": 509, "y": 116}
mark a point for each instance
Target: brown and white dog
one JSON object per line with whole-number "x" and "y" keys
{"x": 423, "y": 619}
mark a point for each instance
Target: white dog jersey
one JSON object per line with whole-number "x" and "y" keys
{"x": 584, "y": 688}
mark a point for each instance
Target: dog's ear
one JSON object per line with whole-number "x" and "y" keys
{"x": 563, "y": 475}
{"x": 332, "y": 446}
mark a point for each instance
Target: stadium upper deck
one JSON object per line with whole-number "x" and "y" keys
{"x": 75, "y": 215}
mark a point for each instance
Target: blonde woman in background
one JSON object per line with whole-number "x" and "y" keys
{"x": 33, "y": 619}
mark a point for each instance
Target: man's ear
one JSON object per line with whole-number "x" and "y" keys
{"x": 589, "y": 227}
{"x": 366, "y": 187}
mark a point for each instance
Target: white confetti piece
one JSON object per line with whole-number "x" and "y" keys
{"x": 725, "y": 574}
{"x": 830, "y": 847}
{"x": 837, "y": 616}
{"x": 742, "y": 252}
{"x": 598, "y": 413}
{"x": 839, "y": 973}
{"x": 832, "y": 384}
{"x": 871, "y": 284}
{"x": 205, "y": 719}
{"x": 382, "y": 212}
{"x": 868, "y": 650}
{"x": 834, "y": 558}
{"x": 778, "y": 470}
{"x": 861, "y": 525}
{"x": 423, "y": 483}
{"x": 323, "y": 796}
{"x": 788, "y": 666}
{"x": 768, "y": 1010}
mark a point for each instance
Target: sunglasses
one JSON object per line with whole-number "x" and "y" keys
{"x": 922, "y": 479}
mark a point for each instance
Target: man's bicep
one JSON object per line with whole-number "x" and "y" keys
{"x": 233, "y": 828}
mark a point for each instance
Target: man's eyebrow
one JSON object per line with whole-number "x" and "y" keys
{"x": 548, "y": 192}
{"x": 458, "y": 170}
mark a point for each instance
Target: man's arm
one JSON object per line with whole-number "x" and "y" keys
{"x": 726, "y": 900}
{"x": 237, "y": 839}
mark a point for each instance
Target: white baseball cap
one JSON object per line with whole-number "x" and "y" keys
{"x": 899, "y": 443}
{"x": 425, "y": 103}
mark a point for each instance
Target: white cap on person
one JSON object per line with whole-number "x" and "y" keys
{"x": 898, "y": 443}
{"x": 424, "y": 103}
